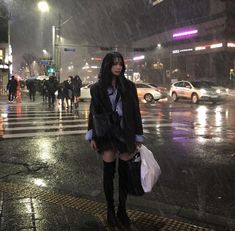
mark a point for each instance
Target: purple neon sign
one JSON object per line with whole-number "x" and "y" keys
{"x": 185, "y": 34}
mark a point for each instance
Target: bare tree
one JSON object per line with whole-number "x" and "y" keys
{"x": 28, "y": 59}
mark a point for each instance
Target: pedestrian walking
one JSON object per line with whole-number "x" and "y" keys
{"x": 61, "y": 95}
{"x": 68, "y": 90}
{"x": 44, "y": 90}
{"x": 117, "y": 96}
{"x": 77, "y": 84}
{"x": 12, "y": 87}
{"x": 52, "y": 86}
{"x": 31, "y": 86}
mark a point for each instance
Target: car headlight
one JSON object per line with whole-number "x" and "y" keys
{"x": 218, "y": 91}
{"x": 227, "y": 90}
{"x": 203, "y": 91}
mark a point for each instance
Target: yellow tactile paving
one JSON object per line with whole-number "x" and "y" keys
{"x": 140, "y": 219}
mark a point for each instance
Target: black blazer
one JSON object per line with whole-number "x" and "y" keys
{"x": 100, "y": 103}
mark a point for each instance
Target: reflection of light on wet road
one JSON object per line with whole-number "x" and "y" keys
{"x": 4, "y": 115}
{"x": 201, "y": 120}
{"x": 202, "y": 116}
{"x": 40, "y": 182}
{"x": 226, "y": 114}
{"x": 18, "y": 109}
{"x": 60, "y": 115}
{"x": 201, "y": 140}
{"x": 86, "y": 112}
{"x": 218, "y": 139}
{"x": 26, "y": 202}
{"x": 218, "y": 117}
{"x": 3, "y": 121}
{"x": 1, "y": 126}
{"x": 45, "y": 150}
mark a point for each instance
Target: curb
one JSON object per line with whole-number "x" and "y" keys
{"x": 220, "y": 222}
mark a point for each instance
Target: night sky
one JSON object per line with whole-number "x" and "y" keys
{"x": 97, "y": 23}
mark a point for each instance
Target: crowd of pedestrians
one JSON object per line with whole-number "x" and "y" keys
{"x": 66, "y": 94}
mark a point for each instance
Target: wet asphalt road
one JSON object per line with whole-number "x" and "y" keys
{"x": 194, "y": 145}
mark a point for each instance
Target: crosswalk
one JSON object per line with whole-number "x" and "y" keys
{"x": 35, "y": 120}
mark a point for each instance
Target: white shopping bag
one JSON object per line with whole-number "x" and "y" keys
{"x": 150, "y": 170}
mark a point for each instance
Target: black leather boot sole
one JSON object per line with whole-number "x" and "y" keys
{"x": 111, "y": 218}
{"x": 123, "y": 218}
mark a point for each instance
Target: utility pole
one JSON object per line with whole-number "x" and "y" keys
{"x": 58, "y": 48}
{"x": 56, "y": 45}
{"x": 56, "y": 52}
{"x": 53, "y": 44}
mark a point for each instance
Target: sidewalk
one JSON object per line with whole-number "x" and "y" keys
{"x": 23, "y": 207}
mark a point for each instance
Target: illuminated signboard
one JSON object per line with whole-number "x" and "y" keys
{"x": 184, "y": 34}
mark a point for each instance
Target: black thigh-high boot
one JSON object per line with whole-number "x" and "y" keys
{"x": 109, "y": 171}
{"x": 121, "y": 212}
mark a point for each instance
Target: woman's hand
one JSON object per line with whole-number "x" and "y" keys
{"x": 138, "y": 144}
{"x": 93, "y": 145}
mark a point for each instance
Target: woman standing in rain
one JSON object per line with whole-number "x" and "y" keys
{"x": 114, "y": 93}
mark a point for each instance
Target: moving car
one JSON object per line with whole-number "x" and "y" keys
{"x": 222, "y": 91}
{"x": 193, "y": 90}
{"x": 150, "y": 92}
{"x": 145, "y": 91}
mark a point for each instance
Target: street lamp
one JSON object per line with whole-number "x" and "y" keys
{"x": 44, "y": 51}
{"x": 43, "y": 6}
{"x": 56, "y": 38}
{"x": 46, "y": 54}
{"x": 56, "y": 44}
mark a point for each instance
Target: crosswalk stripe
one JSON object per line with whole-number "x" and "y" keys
{"x": 37, "y": 117}
{"x": 46, "y": 127}
{"x": 56, "y": 121}
{"x": 33, "y": 122}
{"x": 41, "y": 113}
{"x": 38, "y": 134}
{"x": 181, "y": 127}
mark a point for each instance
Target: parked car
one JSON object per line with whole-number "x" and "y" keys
{"x": 222, "y": 91}
{"x": 85, "y": 92}
{"x": 193, "y": 90}
{"x": 150, "y": 92}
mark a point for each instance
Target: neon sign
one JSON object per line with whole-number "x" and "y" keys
{"x": 185, "y": 34}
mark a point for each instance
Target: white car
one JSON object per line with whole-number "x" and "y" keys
{"x": 85, "y": 92}
{"x": 194, "y": 90}
{"x": 147, "y": 92}
{"x": 150, "y": 92}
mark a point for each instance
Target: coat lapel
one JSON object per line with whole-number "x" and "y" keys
{"x": 105, "y": 100}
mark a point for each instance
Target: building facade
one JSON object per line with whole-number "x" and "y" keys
{"x": 5, "y": 49}
{"x": 197, "y": 41}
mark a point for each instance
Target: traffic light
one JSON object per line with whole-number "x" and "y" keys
{"x": 50, "y": 70}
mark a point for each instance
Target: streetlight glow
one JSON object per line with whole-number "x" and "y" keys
{"x": 43, "y": 6}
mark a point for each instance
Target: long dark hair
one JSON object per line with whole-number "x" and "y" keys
{"x": 105, "y": 75}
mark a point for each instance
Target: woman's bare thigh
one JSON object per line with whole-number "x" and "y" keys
{"x": 109, "y": 156}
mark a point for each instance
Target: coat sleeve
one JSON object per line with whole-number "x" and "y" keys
{"x": 93, "y": 105}
{"x": 138, "y": 120}
{"x": 90, "y": 118}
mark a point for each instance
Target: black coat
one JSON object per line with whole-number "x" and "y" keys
{"x": 12, "y": 85}
{"x": 100, "y": 103}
